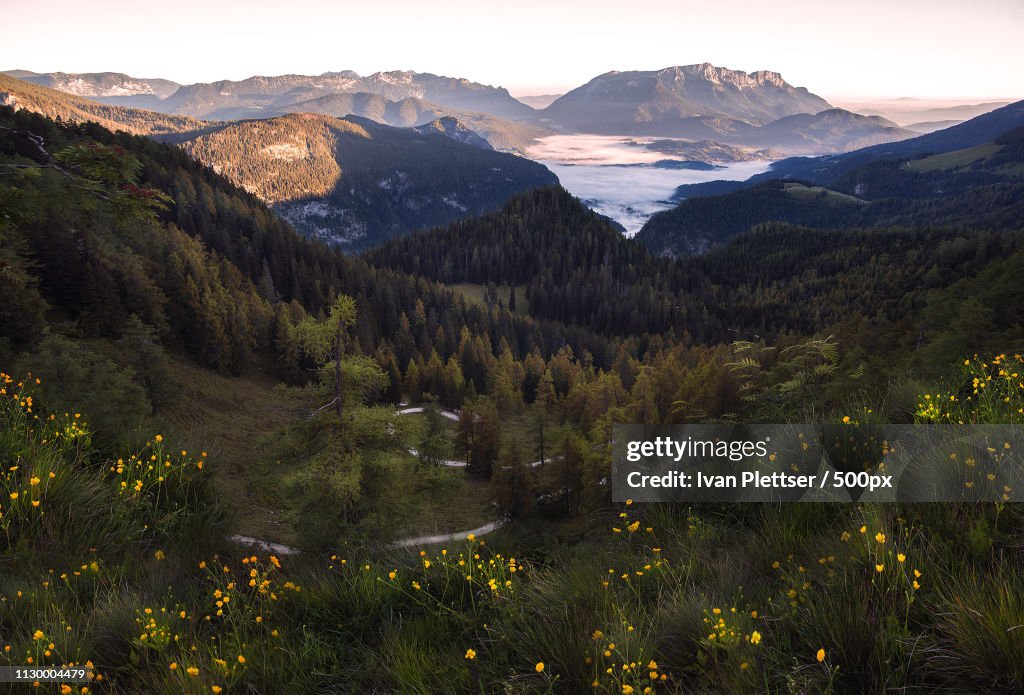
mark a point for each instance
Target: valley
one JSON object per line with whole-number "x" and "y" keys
{"x": 322, "y": 378}
{"x": 648, "y": 133}
{"x": 620, "y": 178}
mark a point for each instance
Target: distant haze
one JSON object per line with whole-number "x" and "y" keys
{"x": 874, "y": 47}
{"x": 908, "y": 111}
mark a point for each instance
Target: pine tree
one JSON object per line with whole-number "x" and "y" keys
{"x": 512, "y": 484}
{"x": 434, "y": 447}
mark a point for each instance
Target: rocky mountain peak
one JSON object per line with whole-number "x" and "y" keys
{"x": 452, "y": 127}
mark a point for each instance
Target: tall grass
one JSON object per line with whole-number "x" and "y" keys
{"x": 122, "y": 565}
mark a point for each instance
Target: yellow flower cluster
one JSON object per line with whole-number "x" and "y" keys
{"x": 619, "y": 664}
{"x": 990, "y": 391}
{"x": 24, "y": 486}
{"x": 493, "y": 575}
{"x": 143, "y": 477}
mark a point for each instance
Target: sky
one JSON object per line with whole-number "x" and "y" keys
{"x": 868, "y": 48}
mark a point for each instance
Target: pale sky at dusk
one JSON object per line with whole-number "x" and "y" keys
{"x": 924, "y": 48}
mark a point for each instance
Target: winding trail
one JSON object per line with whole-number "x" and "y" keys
{"x": 454, "y": 416}
{"x": 448, "y": 537}
{"x": 281, "y": 549}
{"x": 450, "y": 414}
{"x": 446, "y": 462}
{"x": 265, "y": 546}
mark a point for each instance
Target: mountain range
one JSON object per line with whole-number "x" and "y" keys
{"x": 627, "y": 102}
{"x": 398, "y": 98}
{"x": 207, "y": 99}
{"x": 692, "y": 102}
{"x": 828, "y": 169}
{"x": 908, "y": 111}
{"x": 356, "y": 160}
{"x": 112, "y": 86}
{"x": 249, "y": 97}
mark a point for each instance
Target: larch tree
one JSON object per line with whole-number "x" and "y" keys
{"x": 324, "y": 340}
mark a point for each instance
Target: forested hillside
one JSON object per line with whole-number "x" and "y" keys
{"x": 215, "y": 273}
{"x": 981, "y": 187}
{"x": 194, "y": 369}
{"x": 577, "y": 268}
{"x": 700, "y": 224}
{"x": 240, "y": 276}
{"x": 354, "y": 183}
{"x": 778, "y": 280}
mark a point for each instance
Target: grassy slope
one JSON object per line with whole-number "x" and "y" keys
{"x": 725, "y": 599}
{"x": 238, "y": 422}
{"x": 422, "y": 502}
{"x": 951, "y": 160}
{"x": 241, "y": 423}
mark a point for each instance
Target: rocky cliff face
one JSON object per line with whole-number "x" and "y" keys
{"x": 99, "y": 84}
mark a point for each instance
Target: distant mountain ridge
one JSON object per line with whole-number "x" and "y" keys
{"x": 500, "y": 133}
{"x": 830, "y": 168}
{"x": 624, "y": 102}
{"x": 204, "y": 100}
{"x": 58, "y": 104}
{"x": 832, "y": 130}
{"x": 98, "y": 84}
{"x": 908, "y": 110}
{"x": 759, "y": 110}
{"x": 397, "y": 98}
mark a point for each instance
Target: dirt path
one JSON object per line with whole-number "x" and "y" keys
{"x": 450, "y": 414}
{"x": 265, "y": 546}
{"x": 449, "y": 537}
{"x": 279, "y": 549}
